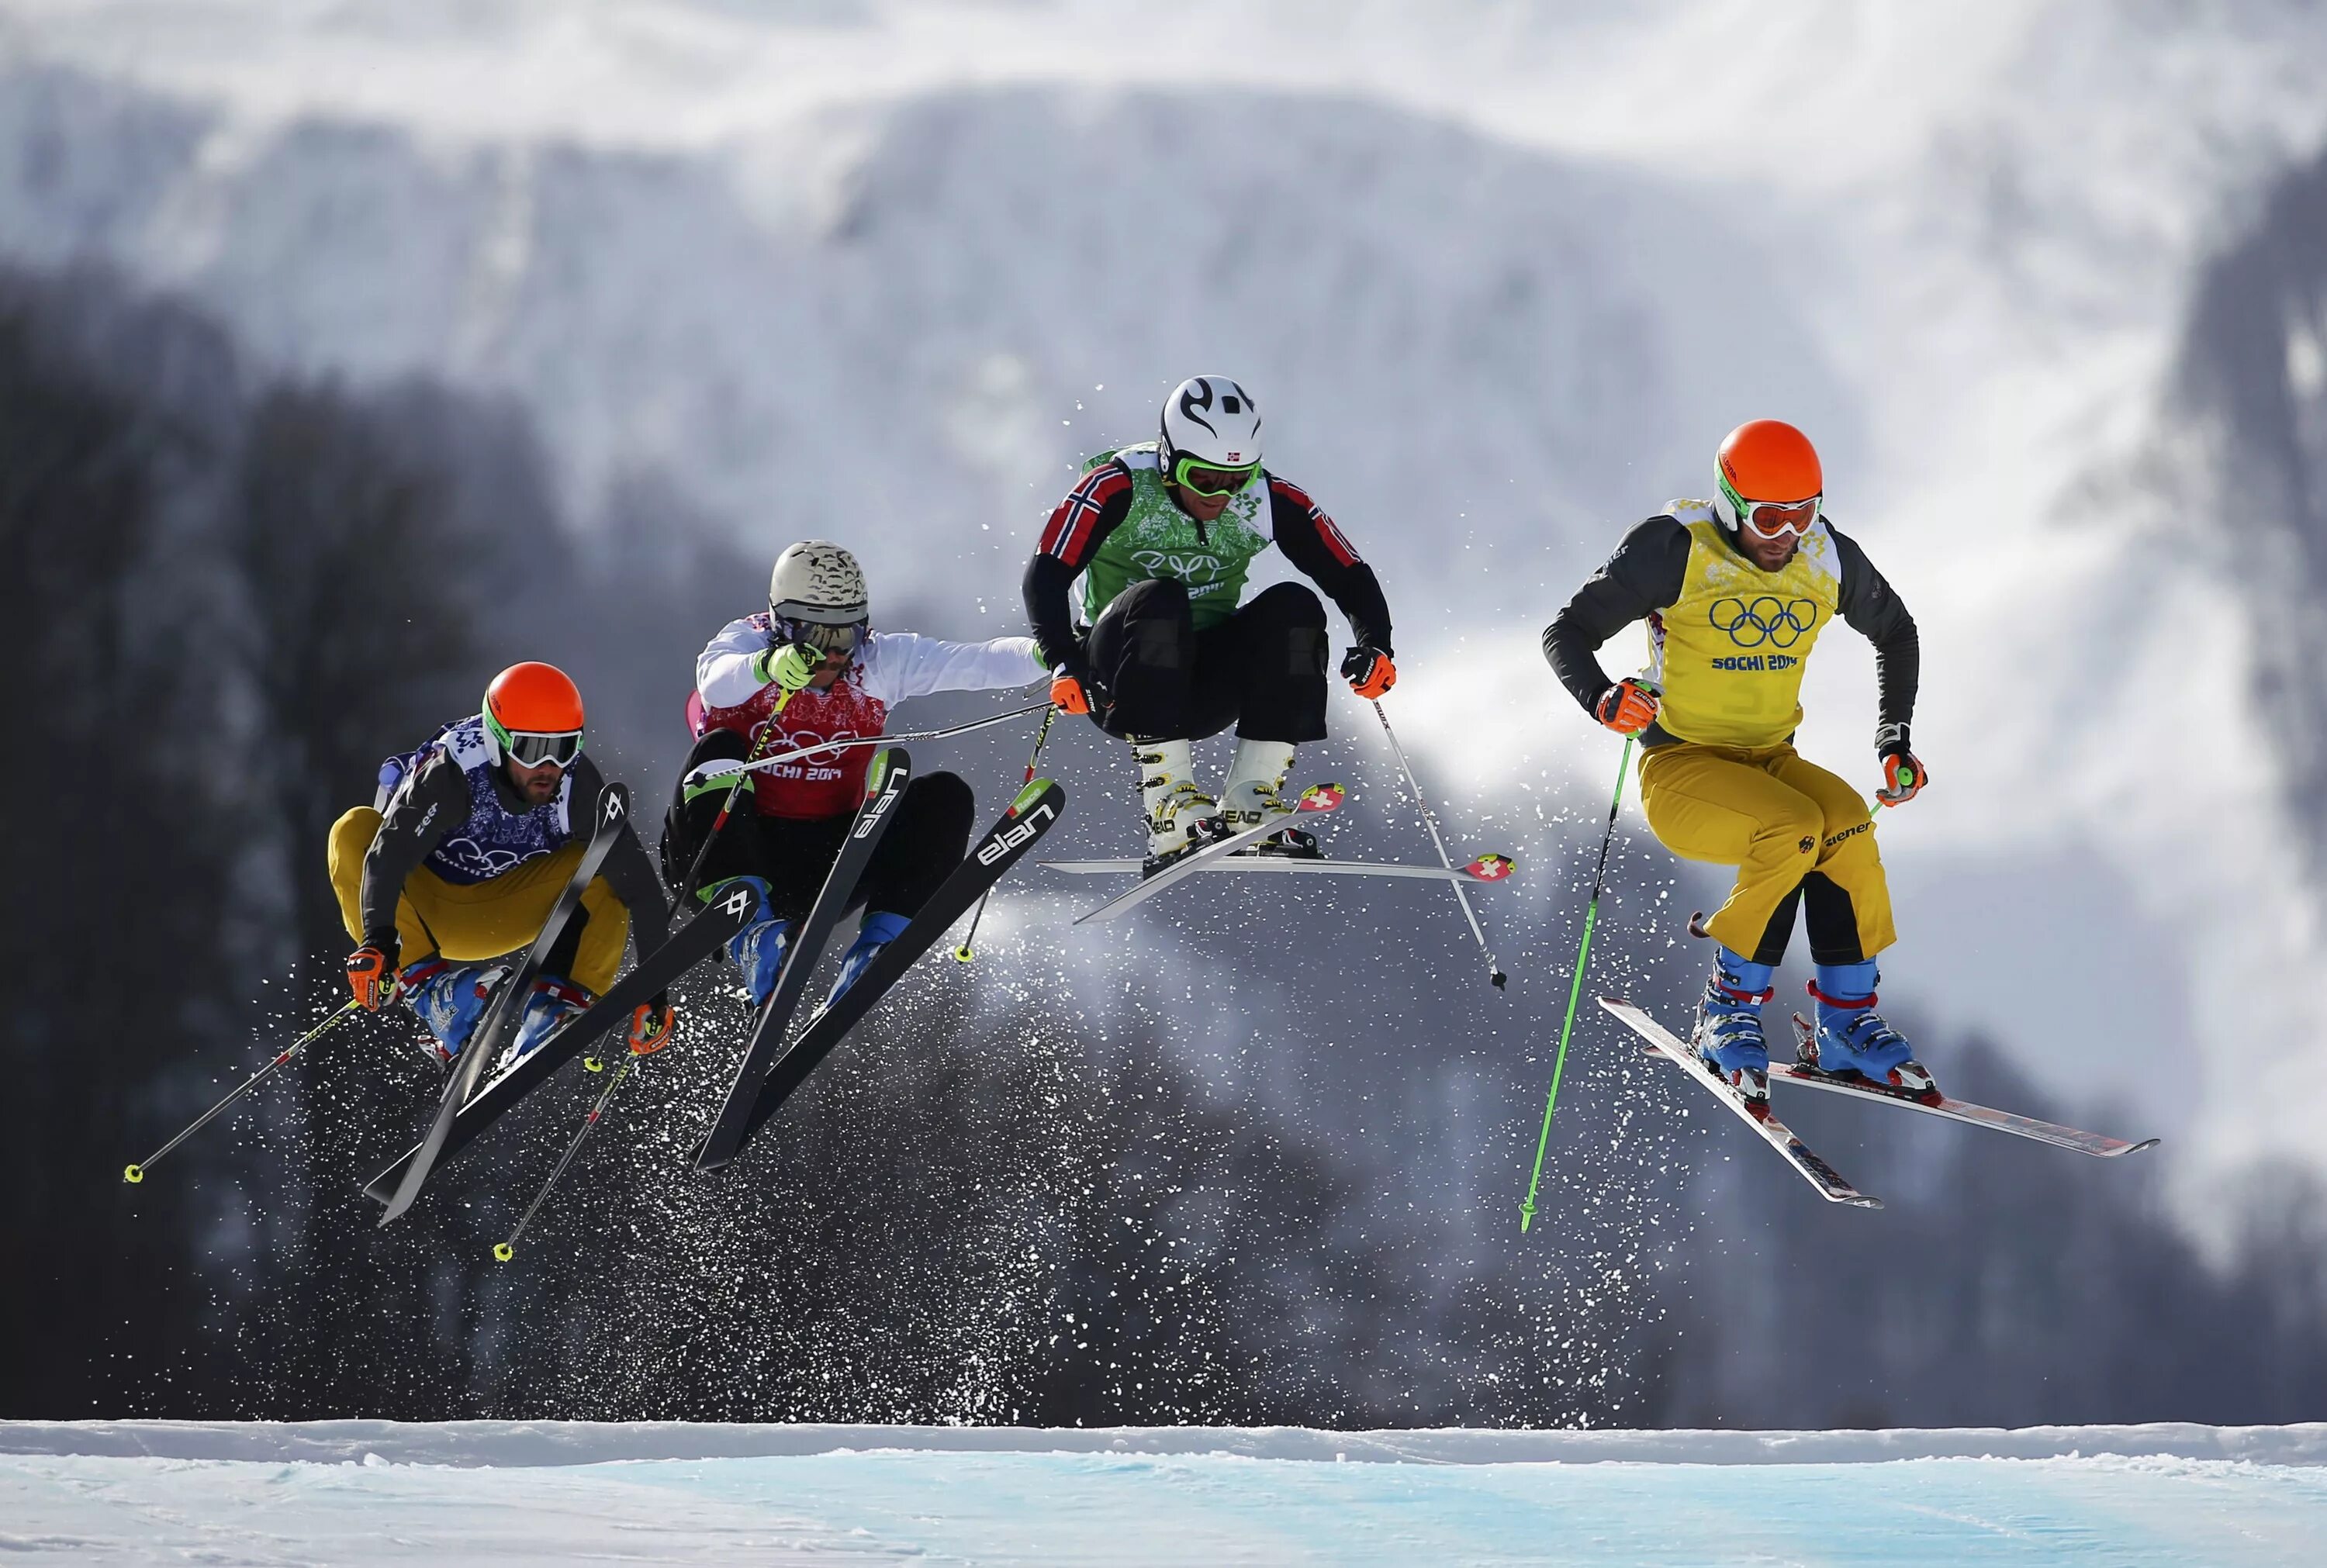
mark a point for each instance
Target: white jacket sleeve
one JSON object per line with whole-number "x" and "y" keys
{"x": 898, "y": 665}
{"x": 724, "y": 672}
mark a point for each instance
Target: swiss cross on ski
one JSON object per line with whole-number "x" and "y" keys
{"x": 1167, "y": 651}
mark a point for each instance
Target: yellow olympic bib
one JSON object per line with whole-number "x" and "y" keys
{"x": 1730, "y": 650}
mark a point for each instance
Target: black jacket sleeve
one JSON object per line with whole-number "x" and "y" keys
{"x": 630, "y": 871}
{"x": 432, "y": 801}
{"x": 1092, "y": 511}
{"x": 1876, "y": 612}
{"x": 1644, "y": 576}
{"x": 1312, "y": 542}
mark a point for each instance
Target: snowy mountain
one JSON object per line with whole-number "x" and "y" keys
{"x": 1502, "y": 277}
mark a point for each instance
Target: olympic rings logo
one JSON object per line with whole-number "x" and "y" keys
{"x": 1766, "y": 620}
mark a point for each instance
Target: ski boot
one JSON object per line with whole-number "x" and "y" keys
{"x": 877, "y": 932}
{"x": 1255, "y": 794}
{"x": 1728, "y": 1033}
{"x": 553, "y": 1003}
{"x": 449, "y": 1001}
{"x": 1180, "y": 816}
{"x": 758, "y": 948}
{"x": 1851, "y": 1039}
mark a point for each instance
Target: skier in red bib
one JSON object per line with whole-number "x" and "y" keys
{"x": 810, "y": 668}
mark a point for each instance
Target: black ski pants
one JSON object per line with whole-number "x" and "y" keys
{"x": 1261, "y": 669}
{"x": 926, "y": 838}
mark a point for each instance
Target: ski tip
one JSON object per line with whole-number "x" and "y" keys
{"x": 1492, "y": 867}
{"x": 133, "y": 1174}
{"x": 1320, "y": 797}
{"x": 1861, "y": 1201}
{"x": 503, "y": 1252}
{"x": 2137, "y": 1148}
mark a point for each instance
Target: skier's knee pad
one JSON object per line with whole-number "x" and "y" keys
{"x": 1290, "y": 616}
{"x": 1288, "y": 604}
{"x": 943, "y": 808}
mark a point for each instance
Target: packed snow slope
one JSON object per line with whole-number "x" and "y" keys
{"x": 365, "y": 1492}
{"x": 1502, "y": 274}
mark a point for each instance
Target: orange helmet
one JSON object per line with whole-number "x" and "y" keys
{"x": 533, "y": 712}
{"x": 1766, "y": 459}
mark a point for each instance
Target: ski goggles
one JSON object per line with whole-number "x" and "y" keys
{"x": 533, "y": 749}
{"x": 1774, "y": 521}
{"x": 1209, "y": 480}
{"x": 820, "y": 635}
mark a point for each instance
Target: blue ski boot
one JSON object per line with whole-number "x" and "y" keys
{"x": 1729, "y": 1027}
{"x": 877, "y": 932}
{"x": 449, "y": 1001}
{"x": 1851, "y": 1036}
{"x": 758, "y": 950}
{"x": 553, "y": 1003}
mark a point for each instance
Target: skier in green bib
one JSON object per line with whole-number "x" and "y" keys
{"x": 1162, "y": 535}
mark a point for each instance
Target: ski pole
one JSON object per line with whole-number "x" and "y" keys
{"x": 1494, "y": 970}
{"x": 505, "y": 1250}
{"x": 962, "y": 955}
{"x": 135, "y": 1173}
{"x": 1576, "y": 986}
{"x": 726, "y": 809}
{"x": 712, "y": 772}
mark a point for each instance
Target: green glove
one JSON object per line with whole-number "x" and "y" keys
{"x": 790, "y": 667}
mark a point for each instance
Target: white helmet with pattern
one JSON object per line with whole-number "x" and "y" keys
{"x": 1210, "y": 422}
{"x": 817, "y": 596}
{"x": 817, "y": 580}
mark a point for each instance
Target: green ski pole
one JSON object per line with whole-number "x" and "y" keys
{"x": 1576, "y": 988}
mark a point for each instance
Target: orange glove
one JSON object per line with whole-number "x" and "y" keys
{"x": 372, "y": 974}
{"x": 652, "y": 1026}
{"x": 1903, "y": 773}
{"x": 1369, "y": 671}
{"x": 1628, "y": 707}
{"x": 1066, "y": 694}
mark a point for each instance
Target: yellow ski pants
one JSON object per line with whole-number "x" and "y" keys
{"x": 1795, "y": 834}
{"x": 469, "y": 922}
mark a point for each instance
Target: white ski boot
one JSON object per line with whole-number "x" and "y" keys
{"x": 1180, "y": 816}
{"x": 1255, "y": 794}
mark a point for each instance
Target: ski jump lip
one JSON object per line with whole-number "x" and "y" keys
{"x": 548, "y": 1444}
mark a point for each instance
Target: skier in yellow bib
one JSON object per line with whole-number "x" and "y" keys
{"x": 1736, "y": 593}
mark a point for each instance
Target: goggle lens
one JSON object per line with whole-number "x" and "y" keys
{"x": 821, "y": 636}
{"x": 1775, "y": 520}
{"x": 532, "y": 751}
{"x": 1204, "y": 480}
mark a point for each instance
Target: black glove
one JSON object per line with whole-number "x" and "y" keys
{"x": 1368, "y": 670}
{"x": 1073, "y": 666}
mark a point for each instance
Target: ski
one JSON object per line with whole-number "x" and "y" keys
{"x": 1316, "y": 799}
{"x": 656, "y": 971}
{"x": 2098, "y": 1144}
{"x": 1825, "y": 1179}
{"x": 1487, "y": 868}
{"x": 1030, "y": 816}
{"x": 892, "y": 771}
{"x": 506, "y": 1010}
